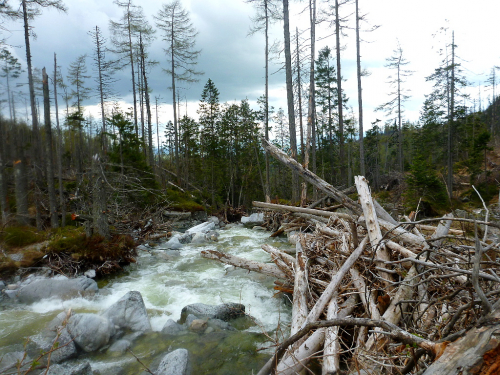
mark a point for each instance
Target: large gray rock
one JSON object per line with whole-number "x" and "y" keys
{"x": 10, "y": 361}
{"x": 254, "y": 219}
{"x": 172, "y": 328}
{"x": 57, "y": 287}
{"x": 66, "y": 369}
{"x": 173, "y": 243}
{"x": 90, "y": 331}
{"x": 66, "y": 347}
{"x": 225, "y": 312}
{"x": 175, "y": 363}
{"x": 129, "y": 313}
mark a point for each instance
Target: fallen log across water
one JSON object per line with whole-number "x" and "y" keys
{"x": 374, "y": 296}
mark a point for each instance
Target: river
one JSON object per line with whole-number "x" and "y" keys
{"x": 168, "y": 281}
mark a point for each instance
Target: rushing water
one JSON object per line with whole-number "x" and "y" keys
{"x": 168, "y": 281}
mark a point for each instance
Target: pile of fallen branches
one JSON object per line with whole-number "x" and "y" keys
{"x": 374, "y": 296}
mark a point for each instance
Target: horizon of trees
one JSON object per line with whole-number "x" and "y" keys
{"x": 113, "y": 161}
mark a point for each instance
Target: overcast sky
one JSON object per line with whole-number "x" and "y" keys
{"x": 235, "y": 61}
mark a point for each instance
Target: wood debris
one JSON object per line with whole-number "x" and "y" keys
{"x": 375, "y": 296}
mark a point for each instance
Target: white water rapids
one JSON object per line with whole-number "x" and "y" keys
{"x": 168, "y": 281}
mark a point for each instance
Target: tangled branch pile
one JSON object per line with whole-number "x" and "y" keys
{"x": 373, "y": 296}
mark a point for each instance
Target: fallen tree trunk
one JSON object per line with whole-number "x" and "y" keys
{"x": 309, "y": 211}
{"x": 251, "y": 265}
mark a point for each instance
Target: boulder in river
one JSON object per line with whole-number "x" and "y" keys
{"x": 175, "y": 363}
{"x": 225, "y": 311}
{"x": 90, "y": 331}
{"x": 254, "y": 219}
{"x": 172, "y": 328}
{"x": 56, "y": 287}
{"x": 173, "y": 243}
{"x": 129, "y": 313}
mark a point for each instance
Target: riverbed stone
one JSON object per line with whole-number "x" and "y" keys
{"x": 56, "y": 287}
{"x": 214, "y": 219}
{"x": 129, "y": 313}
{"x": 254, "y": 219}
{"x": 10, "y": 360}
{"x": 66, "y": 347}
{"x": 171, "y": 328}
{"x": 90, "y": 274}
{"x": 67, "y": 369}
{"x": 173, "y": 243}
{"x": 225, "y": 312}
{"x": 120, "y": 346}
{"x": 198, "y": 325}
{"x": 175, "y": 363}
{"x": 90, "y": 331}
{"x": 189, "y": 319}
{"x": 220, "y": 325}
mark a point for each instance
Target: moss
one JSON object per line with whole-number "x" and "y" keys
{"x": 82, "y": 252}
{"x": 20, "y": 236}
{"x": 183, "y": 201}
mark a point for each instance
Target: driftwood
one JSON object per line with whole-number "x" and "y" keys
{"x": 266, "y": 269}
{"x": 418, "y": 292}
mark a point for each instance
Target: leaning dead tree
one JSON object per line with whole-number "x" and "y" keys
{"x": 375, "y": 296}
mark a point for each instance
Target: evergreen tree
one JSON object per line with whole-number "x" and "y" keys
{"x": 210, "y": 115}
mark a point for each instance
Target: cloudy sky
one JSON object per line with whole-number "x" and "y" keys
{"x": 235, "y": 61}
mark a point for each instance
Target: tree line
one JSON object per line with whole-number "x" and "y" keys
{"x": 113, "y": 165}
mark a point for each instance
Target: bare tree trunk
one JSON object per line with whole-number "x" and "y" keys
{"x": 99, "y": 199}
{"x": 266, "y": 111}
{"x": 299, "y": 93}
{"x": 289, "y": 90}
{"x": 148, "y": 105}
{"x": 131, "y": 56}
{"x": 360, "y": 98}
{"x": 339, "y": 97}
{"x": 54, "y": 221}
{"x": 59, "y": 150}
{"x": 451, "y": 119}
{"x": 34, "y": 118}
{"x": 4, "y": 204}
{"x": 21, "y": 179}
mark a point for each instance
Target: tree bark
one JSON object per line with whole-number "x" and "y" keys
{"x": 59, "y": 150}
{"x": 251, "y": 265}
{"x": 4, "y": 203}
{"x": 360, "y": 98}
{"x": 340, "y": 105}
{"x": 289, "y": 91}
{"x": 99, "y": 199}
{"x": 37, "y": 160}
{"x": 54, "y": 220}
